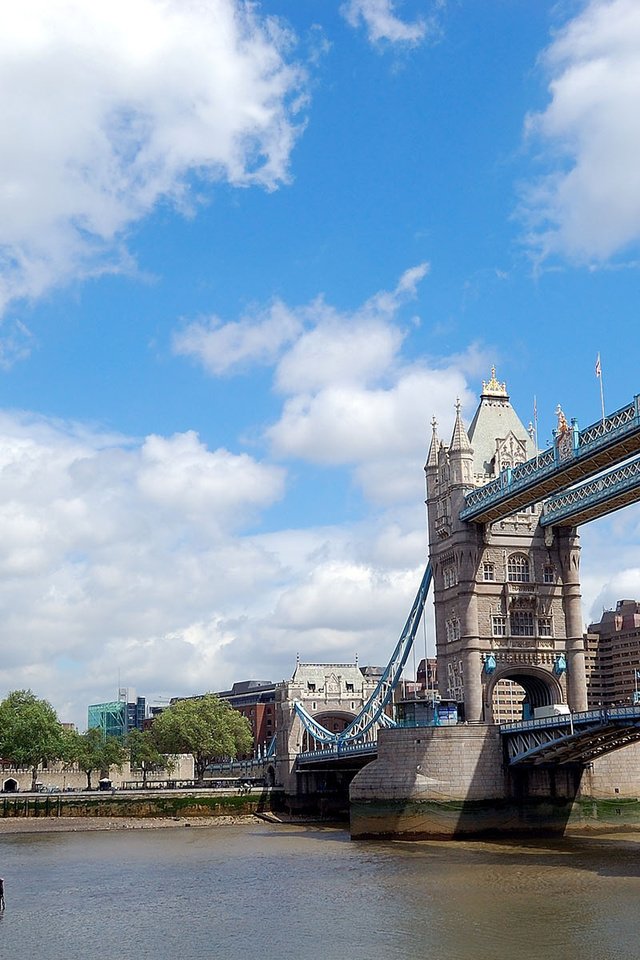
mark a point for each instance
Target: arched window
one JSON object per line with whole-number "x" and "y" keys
{"x": 518, "y": 568}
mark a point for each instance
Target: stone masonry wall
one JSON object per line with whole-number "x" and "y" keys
{"x": 462, "y": 762}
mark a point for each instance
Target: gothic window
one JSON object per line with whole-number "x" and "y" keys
{"x": 518, "y": 568}
{"x": 547, "y": 574}
{"x": 488, "y": 572}
{"x": 449, "y": 576}
{"x": 544, "y": 627}
{"x": 522, "y": 623}
{"x": 452, "y": 627}
{"x": 498, "y": 626}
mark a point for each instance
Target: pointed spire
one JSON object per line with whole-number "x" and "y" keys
{"x": 432, "y": 458}
{"x": 459, "y": 439}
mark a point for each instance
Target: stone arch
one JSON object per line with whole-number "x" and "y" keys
{"x": 334, "y": 720}
{"x": 542, "y": 688}
{"x": 10, "y": 785}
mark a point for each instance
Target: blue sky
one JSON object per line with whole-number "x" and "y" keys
{"x": 247, "y": 254}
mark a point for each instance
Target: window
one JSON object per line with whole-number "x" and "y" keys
{"x": 349, "y": 688}
{"x": 449, "y": 576}
{"x": 498, "y": 626}
{"x": 311, "y": 687}
{"x": 453, "y": 629}
{"x": 522, "y": 623}
{"x": 518, "y": 568}
{"x": 547, "y": 574}
{"x": 544, "y": 627}
{"x": 488, "y": 572}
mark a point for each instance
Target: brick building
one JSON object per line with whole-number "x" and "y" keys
{"x": 255, "y": 700}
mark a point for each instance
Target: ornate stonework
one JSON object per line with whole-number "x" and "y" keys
{"x": 499, "y": 589}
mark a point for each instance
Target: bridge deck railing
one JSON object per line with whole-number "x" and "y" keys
{"x": 600, "y": 715}
{"x": 587, "y": 442}
{"x": 339, "y": 750}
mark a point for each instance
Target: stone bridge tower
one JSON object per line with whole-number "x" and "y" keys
{"x": 507, "y": 597}
{"x": 333, "y": 693}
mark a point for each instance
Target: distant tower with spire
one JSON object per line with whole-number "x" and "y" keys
{"x": 507, "y": 597}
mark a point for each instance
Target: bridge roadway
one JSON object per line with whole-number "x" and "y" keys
{"x": 612, "y": 490}
{"x": 578, "y": 455}
{"x": 569, "y": 738}
{"x": 341, "y": 755}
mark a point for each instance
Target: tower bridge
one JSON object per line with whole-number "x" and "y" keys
{"x": 504, "y": 558}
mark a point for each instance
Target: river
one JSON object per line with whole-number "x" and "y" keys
{"x": 309, "y": 893}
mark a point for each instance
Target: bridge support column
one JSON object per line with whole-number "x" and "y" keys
{"x": 473, "y": 707}
{"x": 576, "y": 672}
{"x": 576, "y": 675}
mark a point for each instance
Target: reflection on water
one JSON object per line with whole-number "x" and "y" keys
{"x": 311, "y": 894}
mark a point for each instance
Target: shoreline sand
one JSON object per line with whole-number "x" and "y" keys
{"x": 15, "y": 825}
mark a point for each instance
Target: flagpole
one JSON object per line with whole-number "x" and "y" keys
{"x": 535, "y": 426}
{"x": 600, "y": 378}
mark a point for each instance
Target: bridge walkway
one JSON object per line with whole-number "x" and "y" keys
{"x": 571, "y": 738}
{"x": 578, "y": 455}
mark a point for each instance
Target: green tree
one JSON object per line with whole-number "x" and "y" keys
{"x": 91, "y": 752}
{"x": 30, "y": 732}
{"x": 145, "y": 754}
{"x": 206, "y": 727}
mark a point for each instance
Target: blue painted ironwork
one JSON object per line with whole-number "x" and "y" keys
{"x": 612, "y": 490}
{"x": 490, "y": 664}
{"x": 610, "y": 440}
{"x": 367, "y": 749}
{"x": 571, "y": 738}
{"x": 560, "y": 665}
{"x": 365, "y": 725}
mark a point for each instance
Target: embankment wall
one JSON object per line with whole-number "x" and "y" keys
{"x": 165, "y": 803}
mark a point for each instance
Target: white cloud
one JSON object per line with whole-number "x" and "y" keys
{"x": 382, "y": 23}
{"x": 111, "y": 548}
{"x": 351, "y": 399}
{"x": 107, "y": 108}
{"x": 181, "y": 475}
{"x": 125, "y": 557}
{"x": 351, "y": 423}
{"x": 588, "y": 206}
{"x": 224, "y": 348}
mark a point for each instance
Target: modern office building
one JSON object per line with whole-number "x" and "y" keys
{"x": 118, "y": 717}
{"x": 613, "y": 656}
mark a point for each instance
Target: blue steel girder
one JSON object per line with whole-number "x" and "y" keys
{"x": 584, "y": 454}
{"x": 596, "y": 498}
{"x": 579, "y": 738}
{"x": 372, "y": 715}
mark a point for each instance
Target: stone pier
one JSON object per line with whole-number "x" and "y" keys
{"x": 452, "y": 782}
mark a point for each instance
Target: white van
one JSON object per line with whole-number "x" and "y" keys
{"x": 551, "y": 710}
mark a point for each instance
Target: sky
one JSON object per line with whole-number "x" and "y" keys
{"x": 247, "y": 252}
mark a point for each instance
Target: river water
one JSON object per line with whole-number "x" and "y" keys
{"x": 245, "y": 892}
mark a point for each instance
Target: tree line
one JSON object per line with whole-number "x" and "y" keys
{"x": 206, "y": 727}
